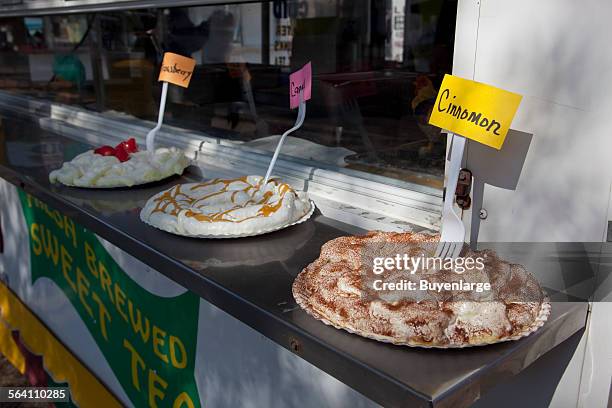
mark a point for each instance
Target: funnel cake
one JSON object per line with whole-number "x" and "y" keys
{"x": 94, "y": 170}
{"x": 338, "y": 290}
{"x": 227, "y": 208}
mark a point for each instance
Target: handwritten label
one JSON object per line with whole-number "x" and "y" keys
{"x": 474, "y": 110}
{"x": 176, "y": 69}
{"x": 300, "y": 82}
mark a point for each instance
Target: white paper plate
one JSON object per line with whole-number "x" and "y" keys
{"x": 122, "y": 185}
{"x": 250, "y": 234}
{"x": 538, "y": 322}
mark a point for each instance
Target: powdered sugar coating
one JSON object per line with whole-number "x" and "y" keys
{"x": 334, "y": 289}
{"x": 92, "y": 170}
{"x": 226, "y": 207}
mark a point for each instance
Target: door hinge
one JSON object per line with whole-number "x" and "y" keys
{"x": 464, "y": 187}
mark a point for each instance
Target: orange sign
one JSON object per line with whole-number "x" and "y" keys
{"x": 176, "y": 69}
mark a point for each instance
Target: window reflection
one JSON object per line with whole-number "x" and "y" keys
{"x": 376, "y": 64}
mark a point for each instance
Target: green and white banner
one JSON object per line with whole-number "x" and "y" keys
{"x": 149, "y": 341}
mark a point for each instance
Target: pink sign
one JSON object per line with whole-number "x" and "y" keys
{"x": 300, "y": 82}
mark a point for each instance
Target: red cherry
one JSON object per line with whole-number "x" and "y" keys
{"x": 129, "y": 145}
{"x": 121, "y": 153}
{"x": 105, "y": 151}
{"x": 132, "y": 145}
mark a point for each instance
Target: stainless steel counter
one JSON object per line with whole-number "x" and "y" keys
{"x": 251, "y": 279}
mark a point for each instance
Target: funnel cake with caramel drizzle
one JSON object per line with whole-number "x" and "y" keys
{"x": 338, "y": 289}
{"x": 227, "y": 208}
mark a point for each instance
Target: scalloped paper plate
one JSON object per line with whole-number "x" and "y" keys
{"x": 304, "y": 218}
{"x": 120, "y": 185}
{"x": 538, "y": 322}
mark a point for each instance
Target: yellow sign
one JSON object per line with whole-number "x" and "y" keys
{"x": 474, "y": 110}
{"x": 176, "y": 69}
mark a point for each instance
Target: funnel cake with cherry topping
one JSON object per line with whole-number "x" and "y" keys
{"x": 337, "y": 289}
{"x": 227, "y": 208}
{"x": 120, "y": 166}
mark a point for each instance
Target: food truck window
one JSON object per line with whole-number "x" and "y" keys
{"x": 377, "y": 65}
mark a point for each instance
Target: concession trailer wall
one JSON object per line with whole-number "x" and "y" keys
{"x": 559, "y": 147}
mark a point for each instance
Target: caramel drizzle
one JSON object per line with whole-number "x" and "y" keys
{"x": 168, "y": 198}
{"x": 179, "y": 200}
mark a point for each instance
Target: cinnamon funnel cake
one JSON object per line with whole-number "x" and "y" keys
{"x": 226, "y": 207}
{"x": 441, "y": 310}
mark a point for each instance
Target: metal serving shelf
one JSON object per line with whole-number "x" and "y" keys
{"x": 251, "y": 280}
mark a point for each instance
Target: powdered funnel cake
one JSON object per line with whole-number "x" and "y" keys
{"x": 336, "y": 289}
{"x": 226, "y": 208}
{"x": 120, "y": 166}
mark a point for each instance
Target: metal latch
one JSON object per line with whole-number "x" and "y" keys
{"x": 464, "y": 186}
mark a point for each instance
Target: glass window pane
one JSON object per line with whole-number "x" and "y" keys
{"x": 377, "y": 65}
